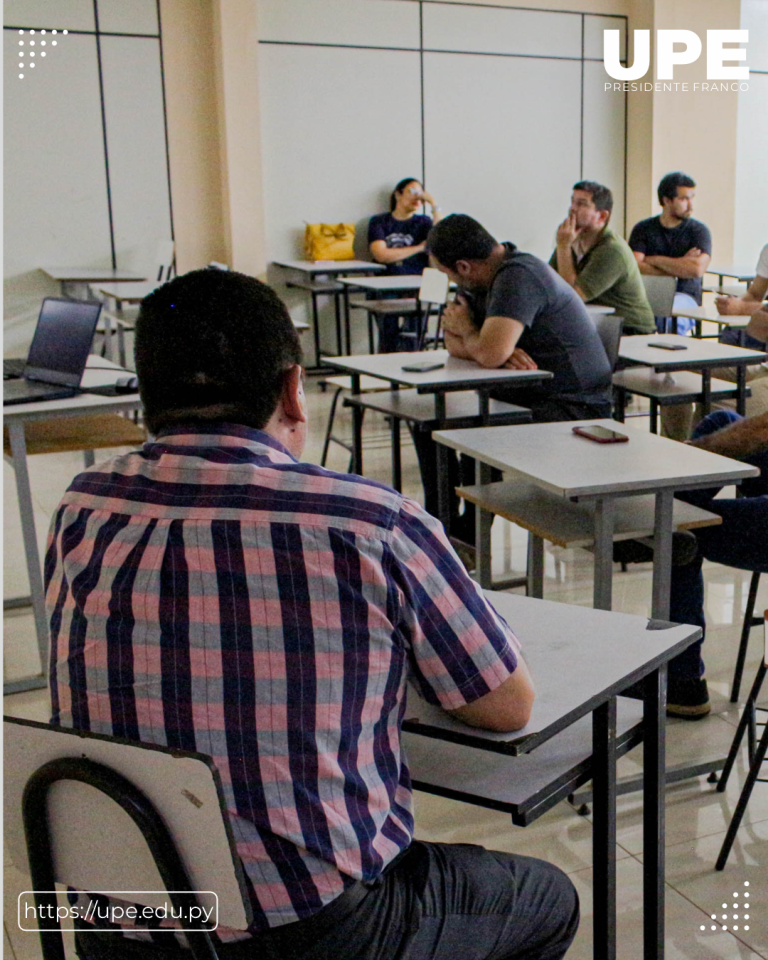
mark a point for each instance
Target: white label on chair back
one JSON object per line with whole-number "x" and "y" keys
{"x": 434, "y": 286}
{"x": 96, "y": 844}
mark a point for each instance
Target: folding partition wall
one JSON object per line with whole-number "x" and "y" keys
{"x": 86, "y": 163}
{"x": 499, "y": 109}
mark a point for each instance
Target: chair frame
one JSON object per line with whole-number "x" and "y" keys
{"x": 756, "y": 752}
{"x": 143, "y": 813}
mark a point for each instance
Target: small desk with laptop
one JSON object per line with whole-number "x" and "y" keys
{"x": 57, "y": 373}
{"x": 580, "y": 659}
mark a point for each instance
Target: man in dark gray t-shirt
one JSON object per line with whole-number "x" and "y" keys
{"x": 513, "y": 311}
{"x": 517, "y": 312}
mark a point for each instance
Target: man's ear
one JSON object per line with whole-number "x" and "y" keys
{"x": 293, "y": 399}
{"x": 463, "y": 268}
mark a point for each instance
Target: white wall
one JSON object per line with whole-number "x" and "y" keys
{"x": 751, "y": 215}
{"x": 57, "y": 210}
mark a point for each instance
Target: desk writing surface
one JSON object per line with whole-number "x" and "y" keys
{"x": 456, "y": 374}
{"x": 738, "y": 272}
{"x": 98, "y": 372}
{"x": 711, "y": 315}
{"x": 330, "y": 266}
{"x": 91, "y": 274}
{"x": 555, "y": 458}
{"x": 128, "y": 291}
{"x": 403, "y": 281}
{"x": 578, "y": 658}
{"x": 698, "y": 354}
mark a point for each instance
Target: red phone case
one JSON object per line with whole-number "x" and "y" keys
{"x": 581, "y": 431}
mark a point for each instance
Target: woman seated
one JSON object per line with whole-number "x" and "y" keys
{"x": 397, "y": 239}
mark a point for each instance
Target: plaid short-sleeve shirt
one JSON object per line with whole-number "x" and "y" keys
{"x": 211, "y": 593}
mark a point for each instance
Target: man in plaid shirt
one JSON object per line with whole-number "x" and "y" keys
{"x": 211, "y": 592}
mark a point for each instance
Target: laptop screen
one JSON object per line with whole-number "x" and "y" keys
{"x": 62, "y": 341}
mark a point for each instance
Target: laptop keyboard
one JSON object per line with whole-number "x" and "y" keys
{"x": 13, "y": 368}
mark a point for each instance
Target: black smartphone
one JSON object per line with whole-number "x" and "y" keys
{"x": 668, "y": 346}
{"x": 423, "y": 366}
{"x": 601, "y": 434}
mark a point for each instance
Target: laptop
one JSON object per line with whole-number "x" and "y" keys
{"x": 58, "y": 354}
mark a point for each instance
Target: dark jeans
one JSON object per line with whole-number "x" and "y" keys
{"x": 390, "y": 328}
{"x": 438, "y": 902}
{"x": 543, "y": 410}
{"x": 740, "y": 541}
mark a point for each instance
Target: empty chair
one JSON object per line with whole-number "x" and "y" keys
{"x": 61, "y": 786}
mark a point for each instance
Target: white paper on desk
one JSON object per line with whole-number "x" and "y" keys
{"x": 434, "y": 286}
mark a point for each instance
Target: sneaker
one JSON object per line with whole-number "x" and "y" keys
{"x": 684, "y": 549}
{"x": 688, "y": 699}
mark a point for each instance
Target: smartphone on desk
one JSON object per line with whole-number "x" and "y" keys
{"x": 423, "y": 366}
{"x": 599, "y": 434}
{"x": 667, "y": 346}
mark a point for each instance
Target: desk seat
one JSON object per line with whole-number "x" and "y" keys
{"x": 419, "y": 409}
{"x": 568, "y": 523}
{"x": 668, "y": 389}
{"x": 79, "y": 433}
{"x": 525, "y": 786}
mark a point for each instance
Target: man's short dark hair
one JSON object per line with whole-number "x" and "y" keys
{"x": 459, "y": 237}
{"x": 601, "y": 196}
{"x": 669, "y": 184}
{"x": 213, "y": 346}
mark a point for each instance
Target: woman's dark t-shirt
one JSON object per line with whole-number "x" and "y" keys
{"x": 401, "y": 233}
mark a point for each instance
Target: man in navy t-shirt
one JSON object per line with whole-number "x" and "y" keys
{"x": 673, "y": 244}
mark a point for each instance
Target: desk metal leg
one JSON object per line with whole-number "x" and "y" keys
{"x": 535, "y": 566}
{"x": 603, "y": 585}
{"x": 741, "y": 388}
{"x": 654, "y": 762}
{"x": 483, "y": 524}
{"x": 357, "y": 430}
{"x": 34, "y": 571}
{"x": 604, "y": 830}
{"x": 346, "y": 320}
{"x": 706, "y": 391}
{"x": 662, "y": 554}
{"x": 397, "y": 470}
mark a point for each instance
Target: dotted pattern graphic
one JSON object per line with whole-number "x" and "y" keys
{"x": 740, "y": 916}
{"x": 33, "y": 47}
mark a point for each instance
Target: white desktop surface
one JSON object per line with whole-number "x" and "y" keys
{"x": 697, "y": 352}
{"x": 555, "y": 458}
{"x": 389, "y": 366}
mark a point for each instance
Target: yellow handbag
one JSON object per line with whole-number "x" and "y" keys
{"x": 329, "y": 241}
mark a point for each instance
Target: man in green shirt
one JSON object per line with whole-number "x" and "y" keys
{"x": 597, "y": 262}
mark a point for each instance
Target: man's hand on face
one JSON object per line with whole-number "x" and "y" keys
{"x": 567, "y": 231}
{"x": 456, "y": 319}
{"x": 520, "y": 361}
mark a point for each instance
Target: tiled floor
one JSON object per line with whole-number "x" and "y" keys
{"x": 697, "y": 816}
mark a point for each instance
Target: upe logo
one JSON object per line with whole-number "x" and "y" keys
{"x": 667, "y": 56}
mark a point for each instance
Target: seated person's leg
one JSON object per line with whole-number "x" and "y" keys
{"x": 478, "y": 903}
{"x": 389, "y": 333}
